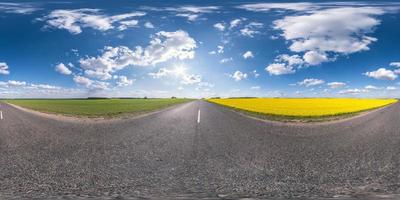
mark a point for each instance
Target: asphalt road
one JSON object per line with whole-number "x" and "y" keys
{"x": 177, "y": 154}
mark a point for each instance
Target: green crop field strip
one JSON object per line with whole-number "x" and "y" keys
{"x": 96, "y": 107}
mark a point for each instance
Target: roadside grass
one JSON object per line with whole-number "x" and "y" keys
{"x": 96, "y": 108}
{"x": 302, "y": 110}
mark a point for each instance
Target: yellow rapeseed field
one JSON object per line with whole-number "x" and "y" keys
{"x": 305, "y": 107}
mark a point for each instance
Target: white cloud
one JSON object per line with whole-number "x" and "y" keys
{"x": 22, "y": 89}
{"x": 179, "y": 72}
{"x": 255, "y": 88}
{"x": 220, "y": 26}
{"x": 238, "y": 76}
{"x": 206, "y": 84}
{"x": 265, "y": 7}
{"x": 4, "y": 68}
{"x": 391, "y": 88}
{"x": 127, "y": 24}
{"x": 90, "y": 84}
{"x": 124, "y": 81}
{"x": 12, "y": 83}
{"x": 99, "y": 85}
{"x": 330, "y": 30}
{"x": 220, "y": 49}
{"x": 395, "y": 64}
{"x": 190, "y": 17}
{"x": 194, "y": 9}
{"x": 353, "y": 91}
{"x": 75, "y": 20}
{"x": 163, "y": 47}
{"x": 255, "y": 73}
{"x": 192, "y": 13}
{"x": 148, "y": 25}
{"x": 335, "y": 85}
{"x": 382, "y": 74}
{"x": 371, "y": 87}
{"x": 314, "y": 57}
{"x": 43, "y": 86}
{"x": 189, "y": 79}
{"x": 251, "y": 29}
{"x": 225, "y": 60}
{"x": 162, "y": 72}
{"x": 290, "y": 60}
{"x": 62, "y": 69}
{"x": 234, "y": 23}
{"x": 248, "y": 54}
{"x": 82, "y": 81}
{"x": 311, "y": 82}
{"x": 18, "y": 8}
{"x": 279, "y": 69}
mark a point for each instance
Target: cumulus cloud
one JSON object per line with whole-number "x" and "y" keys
{"x": 285, "y": 64}
{"x": 382, "y": 74}
{"x": 163, "y": 47}
{"x": 330, "y": 31}
{"x": 82, "y": 81}
{"x": 4, "y": 68}
{"x": 290, "y": 60}
{"x": 234, "y": 23}
{"x": 148, "y": 25}
{"x": 74, "y": 20}
{"x": 238, "y": 75}
{"x": 179, "y": 72}
{"x": 311, "y": 82}
{"x": 124, "y": 81}
{"x": 248, "y": 54}
{"x": 219, "y": 26}
{"x": 90, "y": 84}
{"x": 279, "y": 69}
{"x": 251, "y": 29}
{"x": 335, "y": 85}
{"x": 62, "y": 69}
{"x": 189, "y": 79}
{"x": 315, "y": 58}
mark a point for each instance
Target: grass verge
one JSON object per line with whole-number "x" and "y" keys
{"x": 96, "y": 108}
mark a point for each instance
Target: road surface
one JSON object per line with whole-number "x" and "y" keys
{"x": 198, "y": 150}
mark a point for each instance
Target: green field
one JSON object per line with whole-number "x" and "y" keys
{"x": 96, "y": 107}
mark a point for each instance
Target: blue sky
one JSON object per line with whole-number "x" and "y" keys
{"x": 199, "y": 49}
